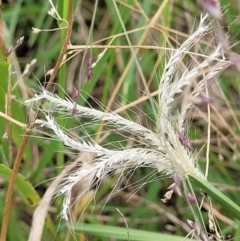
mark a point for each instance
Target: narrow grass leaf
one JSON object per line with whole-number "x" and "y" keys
{"x": 121, "y": 233}
{"x": 226, "y": 203}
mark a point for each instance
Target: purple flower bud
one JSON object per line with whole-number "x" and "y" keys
{"x": 203, "y": 236}
{"x": 212, "y": 8}
{"x": 75, "y": 95}
{"x": 177, "y": 187}
{"x": 198, "y": 230}
{"x": 203, "y": 100}
{"x": 191, "y": 198}
{"x": 195, "y": 226}
{"x": 174, "y": 187}
{"x": 8, "y": 52}
{"x": 90, "y": 71}
{"x": 185, "y": 142}
{"x": 235, "y": 59}
{"x": 177, "y": 179}
{"x": 223, "y": 39}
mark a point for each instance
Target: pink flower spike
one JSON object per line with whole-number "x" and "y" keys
{"x": 212, "y": 8}
{"x": 235, "y": 60}
{"x": 75, "y": 95}
{"x": 185, "y": 142}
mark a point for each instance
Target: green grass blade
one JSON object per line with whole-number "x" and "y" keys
{"x": 26, "y": 190}
{"x": 226, "y": 203}
{"x": 24, "y": 187}
{"x": 121, "y": 233}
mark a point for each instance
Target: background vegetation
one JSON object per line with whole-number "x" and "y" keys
{"x": 154, "y": 28}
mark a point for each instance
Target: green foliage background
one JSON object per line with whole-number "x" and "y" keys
{"x": 146, "y": 216}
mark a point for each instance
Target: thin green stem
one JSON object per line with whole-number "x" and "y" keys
{"x": 89, "y": 39}
{"x": 194, "y": 208}
{"x": 62, "y": 76}
{"x": 208, "y": 136}
{"x": 135, "y": 57}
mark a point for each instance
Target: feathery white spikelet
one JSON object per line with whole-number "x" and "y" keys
{"x": 168, "y": 87}
{"x": 164, "y": 150}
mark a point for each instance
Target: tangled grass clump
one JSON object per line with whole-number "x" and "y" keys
{"x": 168, "y": 150}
